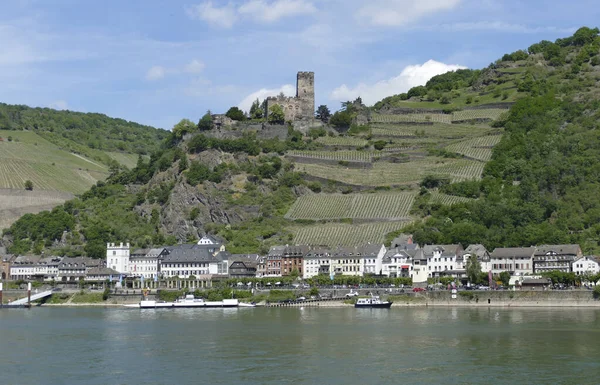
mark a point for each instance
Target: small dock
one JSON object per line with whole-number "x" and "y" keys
{"x": 307, "y": 302}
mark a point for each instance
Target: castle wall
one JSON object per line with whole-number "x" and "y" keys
{"x": 301, "y": 107}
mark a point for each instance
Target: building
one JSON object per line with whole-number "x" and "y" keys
{"x": 146, "y": 262}
{"x": 292, "y": 260}
{"x": 586, "y": 266}
{"x": 398, "y": 262}
{"x": 24, "y": 267}
{"x": 483, "y": 256}
{"x": 100, "y": 274}
{"x": 117, "y": 257}
{"x": 420, "y": 272}
{"x": 200, "y": 261}
{"x": 74, "y": 269}
{"x": 317, "y": 261}
{"x": 515, "y": 260}
{"x": 555, "y": 257}
{"x": 444, "y": 260}
{"x": 243, "y": 265}
{"x": 358, "y": 260}
{"x": 300, "y": 107}
{"x": 270, "y": 265}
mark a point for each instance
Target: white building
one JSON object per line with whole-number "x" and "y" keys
{"x": 316, "y": 261}
{"x": 398, "y": 262}
{"x": 357, "y": 261}
{"x": 24, "y": 267}
{"x": 586, "y": 265}
{"x": 444, "y": 260}
{"x": 483, "y": 256}
{"x": 117, "y": 257}
{"x": 420, "y": 271}
{"x": 515, "y": 260}
{"x": 145, "y": 262}
{"x": 200, "y": 261}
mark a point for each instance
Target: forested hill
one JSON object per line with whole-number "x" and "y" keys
{"x": 92, "y": 130}
{"x": 508, "y": 155}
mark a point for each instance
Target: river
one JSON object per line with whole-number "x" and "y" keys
{"x": 299, "y": 346}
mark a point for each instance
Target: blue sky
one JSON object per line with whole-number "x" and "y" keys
{"x": 158, "y": 61}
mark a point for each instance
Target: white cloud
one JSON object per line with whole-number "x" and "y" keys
{"x": 399, "y": 12}
{"x": 258, "y": 10}
{"x": 59, "y": 105}
{"x": 411, "y": 76}
{"x": 269, "y": 12}
{"x": 194, "y": 67}
{"x": 246, "y": 103}
{"x": 223, "y": 17}
{"x": 155, "y": 73}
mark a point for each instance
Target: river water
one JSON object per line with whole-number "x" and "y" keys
{"x": 299, "y": 346}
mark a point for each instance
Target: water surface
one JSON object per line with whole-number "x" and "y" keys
{"x": 299, "y": 346}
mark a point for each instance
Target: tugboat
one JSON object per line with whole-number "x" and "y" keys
{"x": 373, "y": 302}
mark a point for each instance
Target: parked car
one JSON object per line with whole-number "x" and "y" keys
{"x": 301, "y": 299}
{"x": 352, "y": 294}
{"x": 418, "y": 289}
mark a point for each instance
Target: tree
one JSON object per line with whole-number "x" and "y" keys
{"x": 28, "y": 185}
{"x": 206, "y": 122}
{"x": 256, "y": 112}
{"x": 234, "y": 113}
{"x": 323, "y": 113}
{"x": 341, "y": 119}
{"x": 505, "y": 278}
{"x": 185, "y": 126}
{"x": 276, "y": 115}
{"x": 473, "y": 269}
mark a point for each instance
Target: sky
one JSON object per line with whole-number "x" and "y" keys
{"x": 158, "y": 61}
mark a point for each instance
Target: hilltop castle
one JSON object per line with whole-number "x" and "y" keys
{"x": 301, "y": 107}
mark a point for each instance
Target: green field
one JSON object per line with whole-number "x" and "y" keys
{"x": 348, "y": 156}
{"x": 438, "y": 130}
{"x": 357, "y": 206}
{"x": 342, "y": 141}
{"x": 388, "y": 174}
{"x": 128, "y": 160}
{"x": 445, "y": 199}
{"x": 408, "y": 118}
{"x": 478, "y": 148}
{"x": 345, "y": 234}
{"x": 484, "y": 113}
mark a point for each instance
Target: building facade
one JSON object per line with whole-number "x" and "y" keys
{"x": 300, "y": 107}
{"x": 515, "y": 260}
{"x": 586, "y": 266}
{"x": 117, "y": 257}
{"x": 555, "y": 257}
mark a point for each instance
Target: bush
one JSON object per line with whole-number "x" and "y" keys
{"x": 234, "y": 113}
{"x": 597, "y": 292}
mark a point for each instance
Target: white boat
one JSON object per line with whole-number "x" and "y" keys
{"x": 189, "y": 301}
{"x": 373, "y": 302}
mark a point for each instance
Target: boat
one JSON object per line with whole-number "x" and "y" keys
{"x": 189, "y": 301}
{"x": 373, "y": 302}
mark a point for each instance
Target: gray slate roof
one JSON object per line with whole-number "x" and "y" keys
{"x": 185, "y": 253}
{"x": 447, "y": 250}
{"x": 509, "y": 252}
{"x": 558, "y": 249}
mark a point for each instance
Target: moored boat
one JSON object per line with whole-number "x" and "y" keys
{"x": 373, "y": 302}
{"x": 189, "y": 301}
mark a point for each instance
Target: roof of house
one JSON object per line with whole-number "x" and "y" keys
{"x": 509, "y": 252}
{"x": 68, "y": 263}
{"x": 447, "y": 250}
{"x": 371, "y": 249}
{"x": 189, "y": 254}
{"x": 558, "y": 249}
{"x": 478, "y": 250}
{"x": 402, "y": 240}
{"x": 102, "y": 271}
{"x": 26, "y": 260}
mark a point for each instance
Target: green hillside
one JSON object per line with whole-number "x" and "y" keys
{"x": 505, "y": 156}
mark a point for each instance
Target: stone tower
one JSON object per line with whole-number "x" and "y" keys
{"x": 305, "y": 93}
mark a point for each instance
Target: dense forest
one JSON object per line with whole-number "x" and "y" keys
{"x": 95, "y": 131}
{"x": 542, "y": 185}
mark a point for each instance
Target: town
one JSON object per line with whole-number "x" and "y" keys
{"x": 201, "y": 264}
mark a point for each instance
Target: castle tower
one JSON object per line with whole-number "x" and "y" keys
{"x": 117, "y": 257}
{"x": 305, "y": 93}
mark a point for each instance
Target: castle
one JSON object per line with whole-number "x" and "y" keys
{"x": 301, "y": 107}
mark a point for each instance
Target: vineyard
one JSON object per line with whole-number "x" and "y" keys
{"x": 484, "y": 113}
{"x": 356, "y": 206}
{"x": 445, "y": 199}
{"x": 478, "y": 148}
{"x": 14, "y": 203}
{"x": 345, "y": 234}
{"x": 348, "y": 156}
{"x": 428, "y": 131}
{"x": 412, "y": 118}
{"x": 389, "y": 174}
{"x": 128, "y": 160}
{"x": 342, "y": 141}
